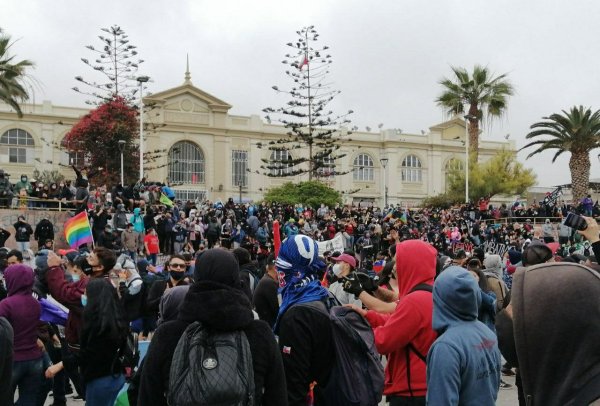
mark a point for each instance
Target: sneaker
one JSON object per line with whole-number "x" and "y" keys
{"x": 507, "y": 372}
{"x": 505, "y": 385}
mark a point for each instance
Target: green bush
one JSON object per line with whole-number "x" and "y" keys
{"x": 311, "y": 193}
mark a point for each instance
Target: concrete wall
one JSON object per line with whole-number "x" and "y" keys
{"x": 8, "y": 217}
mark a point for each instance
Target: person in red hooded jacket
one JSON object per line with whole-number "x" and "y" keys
{"x": 405, "y": 335}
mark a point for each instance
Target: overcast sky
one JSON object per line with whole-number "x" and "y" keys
{"x": 388, "y": 55}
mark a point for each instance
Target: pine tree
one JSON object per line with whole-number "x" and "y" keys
{"x": 117, "y": 61}
{"x": 314, "y": 133}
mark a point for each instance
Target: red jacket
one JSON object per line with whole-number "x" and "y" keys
{"x": 69, "y": 295}
{"x": 411, "y": 321}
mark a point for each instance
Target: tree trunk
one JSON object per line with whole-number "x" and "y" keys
{"x": 579, "y": 164}
{"x": 473, "y": 133}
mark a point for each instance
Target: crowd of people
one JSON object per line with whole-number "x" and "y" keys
{"x": 239, "y": 303}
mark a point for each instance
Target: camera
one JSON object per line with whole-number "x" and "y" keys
{"x": 575, "y": 221}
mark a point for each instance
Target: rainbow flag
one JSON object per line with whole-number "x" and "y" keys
{"x": 78, "y": 230}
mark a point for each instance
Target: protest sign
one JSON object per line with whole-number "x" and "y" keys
{"x": 335, "y": 244}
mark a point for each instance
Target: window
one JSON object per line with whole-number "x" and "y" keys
{"x": 454, "y": 165}
{"x": 20, "y": 145}
{"x": 326, "y": 167}
{"x": 278, "y": 161}
{"x": 185, "y": 195}
{"x": 186, "y": 163}
{"x": 411, "y": 170}
{"x": 239, "y": 168}
{"x": 77, "y": 158}
{"x": 363, "y": 168}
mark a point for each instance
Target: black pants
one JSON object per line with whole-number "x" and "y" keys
{"x": 72, "y": 369}
{"x": 406, "y": 401}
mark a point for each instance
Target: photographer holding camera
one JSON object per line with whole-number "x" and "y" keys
{"x": 405, "y": 335}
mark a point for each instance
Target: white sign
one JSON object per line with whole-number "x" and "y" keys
{"x": 335, "y": 244}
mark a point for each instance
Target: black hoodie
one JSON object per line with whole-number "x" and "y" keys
{"x": 223, "y": 308}
{"x": 556, "y": 317}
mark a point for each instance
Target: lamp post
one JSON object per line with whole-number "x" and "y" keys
{"x": 142, "y": 80}
{"x": 467, "y": 118}
{"x": 121, "y": 149}
{"x": 384, "y": 162}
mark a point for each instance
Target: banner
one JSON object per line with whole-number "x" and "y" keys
{"x": 490, "y": 247}
{"x": 467, "y": 247}
{"x": 335, "y": 244}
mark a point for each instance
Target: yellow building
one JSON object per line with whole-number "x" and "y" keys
{"x": 212, "y": 153}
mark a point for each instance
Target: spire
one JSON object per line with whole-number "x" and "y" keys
{"x": 188, "y": 76}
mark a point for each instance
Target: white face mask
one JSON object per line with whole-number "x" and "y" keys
{"x": 337, "y": 269}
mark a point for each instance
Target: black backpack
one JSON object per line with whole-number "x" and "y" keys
{"x": 357, "y": 377}
{"x": 211, "y": 368}
{"x": 121, "y": 220}
{"x": 129, "y": 355}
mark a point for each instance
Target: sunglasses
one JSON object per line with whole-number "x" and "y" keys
{"x": 177, "y": 265}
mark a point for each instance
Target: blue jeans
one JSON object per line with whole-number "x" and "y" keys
{"x": 27, "y": 377}
{"x": 103, "y": 391}
{"x": 152, "y": 258}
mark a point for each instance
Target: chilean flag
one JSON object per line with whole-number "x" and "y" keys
{"x": 304, "y": 62}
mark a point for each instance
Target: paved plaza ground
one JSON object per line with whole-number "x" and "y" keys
{"x": 506, "y": 397}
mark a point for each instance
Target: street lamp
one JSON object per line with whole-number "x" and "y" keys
{"x": 121, "y": 149}
{"x": 142, "y": 80}
{"x": 384, "y": 162}
{"x": 467, "y": 118}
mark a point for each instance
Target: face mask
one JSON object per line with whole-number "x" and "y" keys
{"x": 177, "y": 275}
{"x": 84, "y": 300}
{"x": 337, "y": 269}
{"x": 75, "y": 277}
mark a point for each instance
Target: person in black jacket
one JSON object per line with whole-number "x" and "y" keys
{"x": 6, "y": 361}
{"x": 23, "y": 233}
{"x": 303, "y": 325}
{"x": 43, "y": 231}
{"x": 248, "y": 271}
{"x": 4, "y": 235}
{"x": 265, "y": 296}
{"x": 217, "y": 301}
{"x": 176, "y": 270}
{"x": 104, "y": 332}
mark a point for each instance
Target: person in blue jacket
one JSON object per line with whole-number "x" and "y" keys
{"x": 463, "y": 364}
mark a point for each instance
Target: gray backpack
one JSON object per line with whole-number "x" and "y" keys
{"x": 211, "y": 368}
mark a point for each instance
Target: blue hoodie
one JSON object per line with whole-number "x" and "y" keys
{"x": 137, "y": 220}
{"x": 463, "y": 364}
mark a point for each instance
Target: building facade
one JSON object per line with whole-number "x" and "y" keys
{"x": 211, "y": 153}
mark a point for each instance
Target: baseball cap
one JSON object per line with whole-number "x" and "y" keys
{"x": 349, "y": 259}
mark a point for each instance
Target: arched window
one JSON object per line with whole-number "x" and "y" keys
{"x": 186, "y": 163}
{"x": 363, "y": 168}
{"x": 279, "y": 160}
{"x": 19, "y": 145}
{"x": 411, "y": 169}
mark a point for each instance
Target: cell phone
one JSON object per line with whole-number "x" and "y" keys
{"x": 575, "y": 221}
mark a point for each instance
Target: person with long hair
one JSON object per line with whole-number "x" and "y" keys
{"x": 104, "y": 332}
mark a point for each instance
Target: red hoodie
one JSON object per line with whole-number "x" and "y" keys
{"x": 411, "y": 321}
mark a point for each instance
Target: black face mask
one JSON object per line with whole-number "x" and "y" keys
{"x": 177, "y": 276}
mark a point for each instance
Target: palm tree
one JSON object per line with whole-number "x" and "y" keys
{"x": 577, "y": 132}
{"x": 485, "y": 96}
{"x": 12, "y": 74}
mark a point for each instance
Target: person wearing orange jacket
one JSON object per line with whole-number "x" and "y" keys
{"x": 406, "y": 334}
